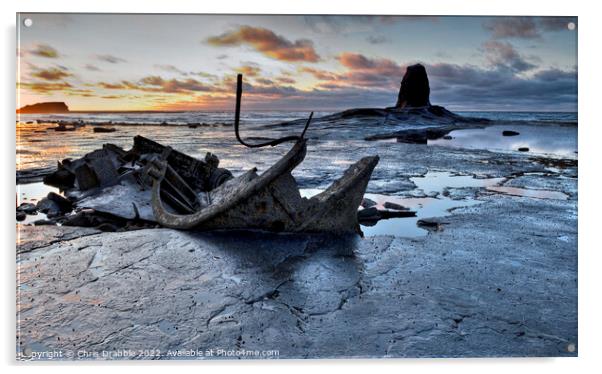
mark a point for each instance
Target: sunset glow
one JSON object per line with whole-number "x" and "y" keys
{"x": 189, "y": 62}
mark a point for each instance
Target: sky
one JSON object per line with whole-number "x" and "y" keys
{"x": 107, "y": 62}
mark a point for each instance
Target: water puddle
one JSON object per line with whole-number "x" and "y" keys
{"x": 525, "y": 192}
{"x": 32, "y": 193}
{"x": 559, "y": 141}
{"x": 434, "y": 182}
{"x": 437, "y": 181}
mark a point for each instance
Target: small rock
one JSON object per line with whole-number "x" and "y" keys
{"x": 21, "y": 216}
{"x": 104, "y": 129}
{"x": 107, "y": 227}
{"x": 65, "y": 206}
{"x": 428, "y": 225}
{"x": 416, "y": 137}
{"x": 44, "y": 222}
{"x": 367, "y": 203}
{"x": 47, "y": 206}
{"x": 27, "y": 208}
{"x": 523, "y": 149}
{"x": 368, "y": 214}
{"x": 448, "y": 137}
{"x": 374, "y": 214}
{"x": 394, "y": 206}
{"x": 510, "y": 133}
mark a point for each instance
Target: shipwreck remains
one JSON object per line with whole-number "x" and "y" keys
{"x": 154, "y": 184}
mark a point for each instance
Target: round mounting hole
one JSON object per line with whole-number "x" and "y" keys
{"x": 27, "y": 22}
{"x": 571, "y": 26}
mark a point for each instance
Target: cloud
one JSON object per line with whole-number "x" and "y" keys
{"x": 45, "y": 87}
{"x": 268, "y": 43}
{"x": 473, "y": 88}
{"x": 342, "y": 24}
{"x": 112, "y": 86}
{"x": 44, "y": 50}
{"x": 369, "y": 72}
{"x": 285, "y": 80}
{"x": 91, "y": 67}
{"x": 155, "y": 83}
{"x": 556, "y": 23}
{"x": 318, "y": 73}
{"x": 110, "y": 59}
{"x": 170, "y": 68}
{"x": 377, "y": 39}
{"x": 513, "y": 27}
{"x": 501, "y": 54}
{"x": 51, "y": 74}
{"x": 249, "y": 70}
{"x": 526, "y": 27}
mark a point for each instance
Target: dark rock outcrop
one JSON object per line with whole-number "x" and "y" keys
{"x": 414, "y": 90}
{"x": 510, "y": 133}
{"x": 49, "y": 107}
{"x": 104, "y": 129}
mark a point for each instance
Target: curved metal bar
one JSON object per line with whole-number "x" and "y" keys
{"x": 271, "y": 142}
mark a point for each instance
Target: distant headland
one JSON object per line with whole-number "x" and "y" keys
{"x": 49, "y": 107}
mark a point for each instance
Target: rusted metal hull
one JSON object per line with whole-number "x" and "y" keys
{"x": 272, "y": 201}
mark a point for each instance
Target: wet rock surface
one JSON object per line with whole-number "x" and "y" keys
{"x": 468, "y": 290}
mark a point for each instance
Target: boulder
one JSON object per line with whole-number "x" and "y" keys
{"x": 21, "y": 216}
{"x": 27, "y": 208}
{"x": 367, "y": 203}
{"x": 48, "y": 207}
{"x": 510, "y": 133}
{"x": 63, "y": 204}
{"x": 394, "y": 206}
{"x": 523, "y": 149}
{"x": 414, "y": 90}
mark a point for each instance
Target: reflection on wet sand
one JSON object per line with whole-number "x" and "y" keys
{"x": 532, "y": 193}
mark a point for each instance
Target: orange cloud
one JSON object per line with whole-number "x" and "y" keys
{"x": 44, "y": 87}
{"x": 52, "y": 74}
{"x": 318, "y": 73}
{"x": 268, "y": 43}
{"x": 356, "y": 61}
{"x": 44, "y": 50}
{"x": 249, "y": 70}
{"x": 155, "y": 83}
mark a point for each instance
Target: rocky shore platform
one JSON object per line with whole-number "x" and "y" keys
{"x": 496, "y": 279}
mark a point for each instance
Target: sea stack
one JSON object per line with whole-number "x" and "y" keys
{"x": 414, "y": 90}
{"x": 48, "y": 107}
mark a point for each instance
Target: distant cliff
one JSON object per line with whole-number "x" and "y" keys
{"x": 50, "y": 107}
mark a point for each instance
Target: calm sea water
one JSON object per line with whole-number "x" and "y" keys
{"x": 40, "y": 147}
{"x": 267, "y": 117}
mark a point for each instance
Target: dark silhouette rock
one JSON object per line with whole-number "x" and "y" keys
{"x": 414, "y": 90}
{"x": 523, "y": 149}
{"x": 27, "y": 208}
{"x": 510, "y": 133}
{"x": 104, "y": 129}
{"x": 64, "y": 205}
{"x": 394, "y": 206}
{"x": 49, "y": 107}
{"x": 21, "y": 216}
{"x": 367, "y": 203}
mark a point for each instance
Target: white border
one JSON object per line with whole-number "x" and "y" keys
{"x": 589, "y": 206}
